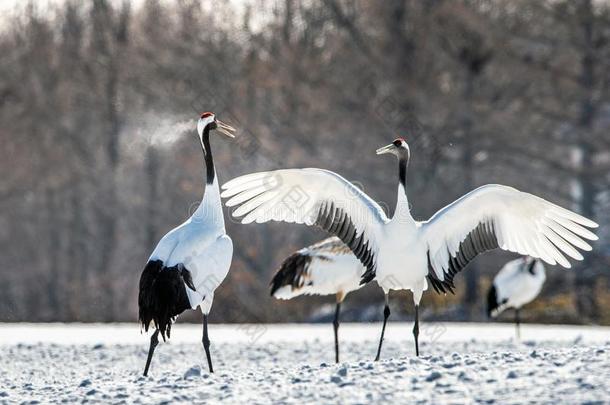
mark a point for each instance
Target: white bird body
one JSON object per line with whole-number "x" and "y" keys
{"x": 402, "y": 253}
{"x": 327, "y": 267}
{"x": 217, "y": 260}
{"x": 191, "y": 260}
{"x": 401, "y": 262}
{"x": 518, "y": 283}
{"x": 346, "y": 271}
{"x": 326, "y": 275}
{"x": 202, "y": 246}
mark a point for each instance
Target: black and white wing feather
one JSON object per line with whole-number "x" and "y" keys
{"x": 311, "y": 197}
{"x": 327, "y": 267}
{"x": 495, "y": 216}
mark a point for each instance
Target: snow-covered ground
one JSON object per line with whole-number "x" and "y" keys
{"x": 460, "y": 363}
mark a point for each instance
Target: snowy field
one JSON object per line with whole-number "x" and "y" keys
{"x": 460, "y": 363}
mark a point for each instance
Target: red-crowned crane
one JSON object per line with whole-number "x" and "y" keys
{"x": 518, "y": 283}
{"x": 328, "y": 267}
{"x": 191, "y": 260}
{"x": 400, "y": 252}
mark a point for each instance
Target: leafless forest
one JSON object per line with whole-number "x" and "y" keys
{"x": 99, "y": 155}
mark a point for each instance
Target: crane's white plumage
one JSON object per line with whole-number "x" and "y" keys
{"x": 518, "y": 283}
{"x": 519, "y": 222}
{"x": 512, "y": 220}
{"x": 311, "y": 197}
{"x": 202, "y": 247}
{"x": 400, "y": 253}
{"x": 295, "y": 195}
{"x": 191, "y": 260}
{"x": 327, "y": 267}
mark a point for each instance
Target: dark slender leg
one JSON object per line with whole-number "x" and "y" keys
{"x": 206, "y": 342}
{"x": 416, "y": 330}
{"x": 386, "y": 315}
{"x": 154, "y": 341}
{"x": 517, "y": 323}
{"x": 336, "y": 328}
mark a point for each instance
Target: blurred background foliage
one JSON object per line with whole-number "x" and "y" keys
{"x": 99, "y": 156}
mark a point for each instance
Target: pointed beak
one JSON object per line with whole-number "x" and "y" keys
{"x": 226, "y": 129}
{"x": 385, "y": 149}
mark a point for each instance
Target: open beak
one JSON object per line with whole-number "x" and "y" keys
{"x": 226, "y": 129}
{"x": 385, "y": 149}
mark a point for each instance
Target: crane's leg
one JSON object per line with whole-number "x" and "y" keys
{"x": 386, "y": 315}
{"x": 416, "y": 330}
{"x": 336, "y": 328}
{"x": 154, "y": 341}
{"x": 206, "y": 342}
{"x": 517, "y": 324}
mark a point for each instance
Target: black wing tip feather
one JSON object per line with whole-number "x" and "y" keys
{"x": 337, "y": 222}
{"x": 367, "y": 276}
{"x": 440, "y": 286}
{"x": 290, "y": 272}
{"x": 481, "y": 239}
{"x": 162, "y": 295}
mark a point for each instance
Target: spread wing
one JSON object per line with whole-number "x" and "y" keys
{"x": 311, "y": 197}
{"x": 495, "y": 216}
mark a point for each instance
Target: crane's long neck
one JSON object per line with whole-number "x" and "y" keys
{"x": 210, "y": 172}
{"x": 210, "y": 209}
{"x": 402, "y": 210}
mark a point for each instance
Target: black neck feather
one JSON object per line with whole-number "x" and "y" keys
{"x": 403, "y": 162}
{"x": 207, "y": 155}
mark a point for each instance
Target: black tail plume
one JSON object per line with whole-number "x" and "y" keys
{"x": 162, "y": 295}
{"x": 291, "y": 272}
{"x": 492, "y": 300}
